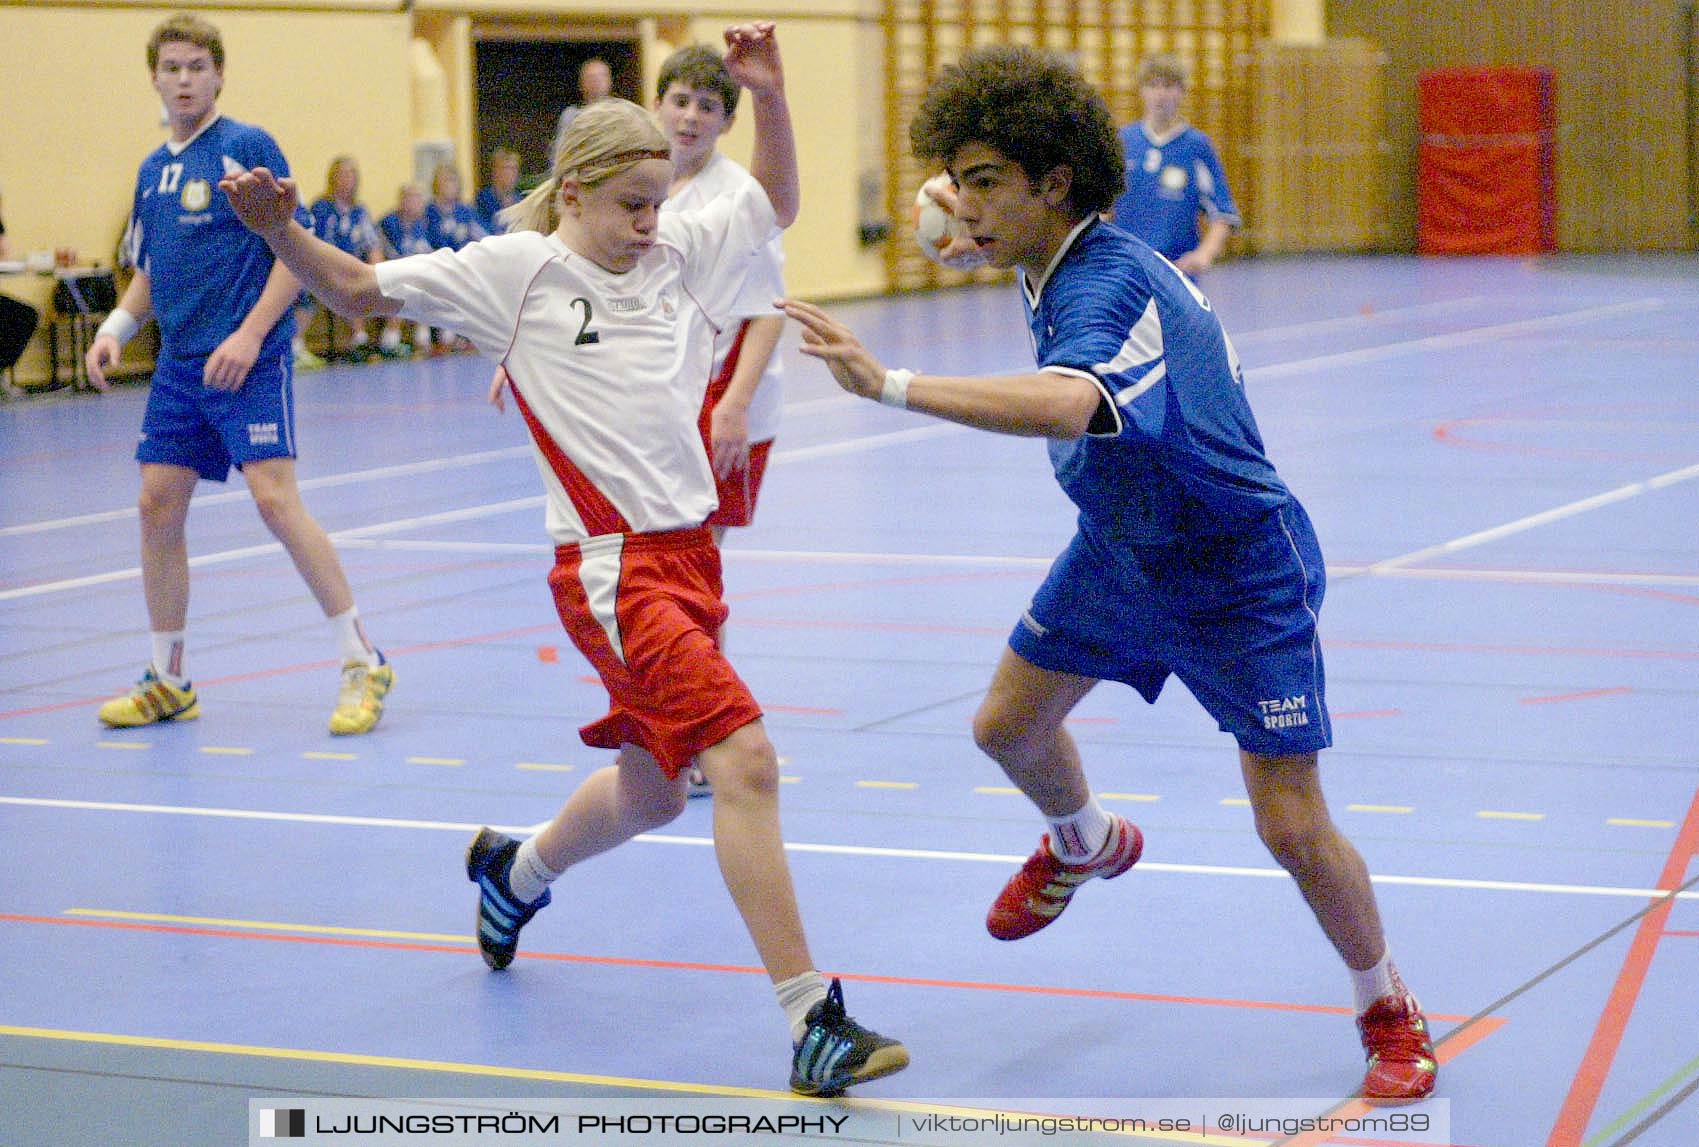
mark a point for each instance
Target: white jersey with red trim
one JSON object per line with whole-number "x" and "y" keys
{"x": 609, "y": 369}
{"x": 766, "y": 282}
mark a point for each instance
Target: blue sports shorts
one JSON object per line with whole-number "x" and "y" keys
{"x": 1235, "y": 620}
{"x": 190, "y": 424}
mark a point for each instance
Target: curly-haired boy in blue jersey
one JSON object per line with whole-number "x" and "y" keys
{"x": 1192, "y": 558}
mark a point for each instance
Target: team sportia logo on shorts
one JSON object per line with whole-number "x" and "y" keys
{"x": 262, "y": 434}
{"x": 1285, "y": 712}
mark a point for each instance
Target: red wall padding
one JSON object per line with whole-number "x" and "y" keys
{"x": 1486, "y": 178}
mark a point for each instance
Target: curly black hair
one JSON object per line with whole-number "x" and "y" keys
{"x": 1032, "y": 106}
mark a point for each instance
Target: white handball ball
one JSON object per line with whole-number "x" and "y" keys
{"x": 934, "y": 225}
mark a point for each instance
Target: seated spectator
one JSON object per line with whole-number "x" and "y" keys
{"x": 405, "y": 231}
{"x": 451, "y": 223}
{"x": 501, "y": 192}
{"x": 449, "y": 218}
{"x": 340, "y": 219}
{"x": 17, "y": 318}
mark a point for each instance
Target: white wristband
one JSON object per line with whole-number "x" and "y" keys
{"x": 120, "y": 324}
{"x": 895, "y": 390}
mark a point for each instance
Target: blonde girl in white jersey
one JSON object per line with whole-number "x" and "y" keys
{"x": 602, "y": 312}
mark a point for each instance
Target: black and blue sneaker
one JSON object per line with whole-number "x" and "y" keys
{"x": 837, "y": 1052}
{"x": 501, "y": 914}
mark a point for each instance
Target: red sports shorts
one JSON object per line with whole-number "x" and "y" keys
{"x": 646, "y": 610}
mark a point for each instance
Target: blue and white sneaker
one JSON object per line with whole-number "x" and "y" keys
{"x": 837, "y": 1052}
{"x": 501, "y": 914}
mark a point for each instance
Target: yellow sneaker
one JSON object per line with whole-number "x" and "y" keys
{"x": 359, "y": 704}
{"x": 149, "y": 701}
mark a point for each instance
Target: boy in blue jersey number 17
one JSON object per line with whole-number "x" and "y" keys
{"x": 222, "y": 386}
{"x": 1191, "y": 556}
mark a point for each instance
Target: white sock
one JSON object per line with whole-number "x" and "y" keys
{"x": 356, "y": 646}
{"x": 298, "y": 344}
{"x": 421, "y": 335}
{"x": 797, "y": 996}
{"x": 1081, "y": 836}
{"x": 529, "y": 877}
{"x": 391, "y": 338}
{"x": 170, "y": 661}
{"x": 361, "y": 338}
{"x": 1376, "y": 983}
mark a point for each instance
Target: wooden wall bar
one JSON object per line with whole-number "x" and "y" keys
{"x": 1623, "y": 154}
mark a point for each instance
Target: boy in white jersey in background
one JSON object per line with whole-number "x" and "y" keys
{"x": 696, "y": 102}
{"x": 1192, "y": 558}
{"x": 603, "y": 323}
{"x": 222, "y": 391}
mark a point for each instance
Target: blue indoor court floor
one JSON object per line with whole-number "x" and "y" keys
{"x": 1502, "y": 461}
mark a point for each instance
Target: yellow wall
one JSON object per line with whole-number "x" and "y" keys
{"x": 79, "y": 112}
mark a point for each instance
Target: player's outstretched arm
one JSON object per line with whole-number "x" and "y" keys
{"x": 1044, "y": 405}
{"x": 267, "y": 206}
{"x": 752, "y": 58}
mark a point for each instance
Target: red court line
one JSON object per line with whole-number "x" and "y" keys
{"x": 687, "y": 966}
{"x": 1445, "y": 1051}
{"x": 1595, "y": 1066}
{"x": 1689, "y": 935}
{"x": 1553, "y": 698}
{"x": 1516, "y": 650}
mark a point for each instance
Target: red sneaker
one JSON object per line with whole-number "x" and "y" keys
{"x": 1402, "y": 1067}
{"x": 1037, "y": 893}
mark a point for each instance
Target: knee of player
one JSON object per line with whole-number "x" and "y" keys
{"x": 999, "y": 733}
{"x": 277, "y": 506}
{"x": 746, "y": 767}
{"x": 1302, "y": 846}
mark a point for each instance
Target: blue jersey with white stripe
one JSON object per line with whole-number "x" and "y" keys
{"x": 1173, "y": 456}
{"x": 205, "y": 269}
{"x": 453, "y": 228}
{"x": 1169, "y": 184}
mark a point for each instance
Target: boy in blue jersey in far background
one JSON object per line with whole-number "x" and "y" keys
{"x": 1192, "y": 558}
{"x": 222, "y": 384}
{"x": 1173, "y": 176}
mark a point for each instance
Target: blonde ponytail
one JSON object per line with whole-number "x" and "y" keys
{"x": 606, "y": 138}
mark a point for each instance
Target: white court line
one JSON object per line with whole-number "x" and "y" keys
{"x": 1545, "y": 517}
{"x": 1451, "y": 341}
{"x": 836, "y": 401}
{"x": 840, "y": 849}
{"x": 378, "y": 474}
{"x": 1342, "y": 322}
{"x": 940, "y": 429}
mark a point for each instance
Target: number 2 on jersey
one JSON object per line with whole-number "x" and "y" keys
{"x": 585, "y": 334}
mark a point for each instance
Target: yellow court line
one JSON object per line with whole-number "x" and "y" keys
{"x": 887, "y": 784}
{"x": 1489, "y": 814}
{"x": 331, "y": 756}
{"x": 1146, "y": 797}
{"x": 23, "y": 741}
{"x": 436, "y": 760}
{"x": 1630, "y": 822}
{"x": 789, "y": 780}
{"x": 123, "y": 745}
{"x": 1236, "y": 802}
{"x": 996, "y": 791}
{"x": 450, "y": 1067}
{"x": 265, "y": 925}
{"x": 227, "y": 751}
{"x": 540, "y": 767}
{"x": 1392, "y": 808}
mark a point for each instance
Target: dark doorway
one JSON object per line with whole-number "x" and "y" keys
{"x": 522, "y": 86}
